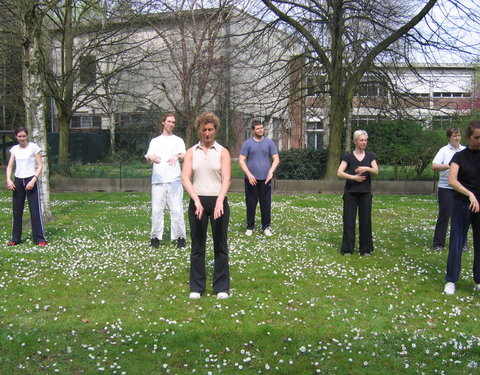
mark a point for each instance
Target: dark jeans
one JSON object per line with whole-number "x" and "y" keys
{"x": 445, "y": 198}
{"x": 445, "y": 202}
{"x": 198, "y": 232}
{"x": 33, "y": 196}
{"x": 461, "y": 219}
{"x": 260, "y": 193}
{"x": 352, "y": 202}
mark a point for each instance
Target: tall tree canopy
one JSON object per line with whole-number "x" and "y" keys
{"x": 346, "y": 38}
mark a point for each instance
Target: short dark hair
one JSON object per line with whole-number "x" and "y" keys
{"x": 19, "y": 129}
{"x": 256, "y": 123}
{"x": 452, "y": 130}
{"x": 475, "y": 124}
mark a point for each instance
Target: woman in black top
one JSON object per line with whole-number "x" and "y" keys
{"x": 356, "y": 168}
{"x": 464, "y": 177}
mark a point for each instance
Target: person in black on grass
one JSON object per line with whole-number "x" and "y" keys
{"x": 356, "y": 167}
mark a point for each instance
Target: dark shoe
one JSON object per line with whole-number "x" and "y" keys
{"x": 42, "y": 243}
{"x": 181, "y": 243}
{"x": 155, "y": 242}
{"x": 11, "y": 243}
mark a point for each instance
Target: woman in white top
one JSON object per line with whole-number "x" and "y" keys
{"x": 206, "y": 178}
{"x": 24, "y": 156}
{"x": 441, "y": 164}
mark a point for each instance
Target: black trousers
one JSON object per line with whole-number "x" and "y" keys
{"x": 352, "y": 202}
{"x": 260, "y": 193}
{"x": 198, "y": 232}
{"x": 445, "y": 198}
{"x": 461, "y": 219}
{"x": 33, "y": 196}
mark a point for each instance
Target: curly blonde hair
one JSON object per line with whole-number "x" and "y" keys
{"x": 207, "y": 118}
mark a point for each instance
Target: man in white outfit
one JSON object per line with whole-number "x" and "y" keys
{"x": 165, "y": 152}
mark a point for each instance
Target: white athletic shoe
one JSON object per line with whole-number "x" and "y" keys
{"x": 222, "y": 295}
{"x": 249, "y": 232}
{"x": 476, "y": 287}
{"x": 449, "y": 289}
{"x": 195, "y": 295}
{"x": 268, "y": 232}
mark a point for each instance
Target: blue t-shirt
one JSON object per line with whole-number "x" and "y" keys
{"x": 259, "y": 156}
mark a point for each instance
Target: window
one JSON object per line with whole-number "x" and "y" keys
{"x": 451, "y": 95}
{"x": 372, "y": 89}
{"x": 124, "y": 120}
{"x": 442, "y": 122}
{"x": 360, "y": 122}
{"x": 86, "y": 122}
{"x": 315, "y": 134}
{"x": 88, "y": 70}
{"x": 317, "y": 85}
{"x": 422, "y": 95}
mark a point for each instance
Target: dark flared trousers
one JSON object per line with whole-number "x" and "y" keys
{"x": 33, "y": 197}
{"x": 352, "y": 202}
{"x": 198, "y": 232}
{"x": 260, "y": 193}
{"x": 461, "y": 219}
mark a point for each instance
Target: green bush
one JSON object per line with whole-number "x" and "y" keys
{"x": 301, "y": 164}
{"x": 404, "y": 144}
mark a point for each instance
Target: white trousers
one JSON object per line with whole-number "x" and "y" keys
{"x": 170, "y": 194}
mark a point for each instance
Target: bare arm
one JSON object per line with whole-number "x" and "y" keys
{"x": 33, "y": 181}
{"x": 226, "y": 166}
{"x": 187, "y": 183}
{"x": 11, "y": 161}
{"x": 373, "y": 169}
{"x": 242, "y": 161}
{"x": 273, "y": 167}
{"x": 342, "y": 174}
{"x": 437, "y": 167}
{"x": 454, "y": 183}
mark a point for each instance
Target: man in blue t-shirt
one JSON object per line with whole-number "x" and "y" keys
{"x": 258, "y": 159}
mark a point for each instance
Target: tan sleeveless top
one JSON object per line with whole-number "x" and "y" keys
{"x": 206, "y": 170}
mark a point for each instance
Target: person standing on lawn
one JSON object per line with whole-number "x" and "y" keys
{"x": 441, "y": 164}
{"x": 356, "y": 167}
{"x": 258, "y": 159}
{"x": 165, "y": 153}
{"x": 464, "y": 177}
{"x": 206, "y": 177}
{"x": 24, "y": 156}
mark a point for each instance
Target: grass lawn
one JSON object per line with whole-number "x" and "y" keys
{"x": 99, "y": 299}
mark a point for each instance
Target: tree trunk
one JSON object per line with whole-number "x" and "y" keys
{"x": 337, "y": 116}
{"x": 111, "y": 126}
{"x": 65, "y": 114}
{"x": 63, "y": 127}
{"x": 34, "y": 101}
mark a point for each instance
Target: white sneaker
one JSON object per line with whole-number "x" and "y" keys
{"x": 195, "y": 295}
{"x": 449, "y": 289}
{"x": 249, "y": 232}
{"x": 222, "y": 295}
{"x": 476, "y": 287}
{"x": 268, "y": 232}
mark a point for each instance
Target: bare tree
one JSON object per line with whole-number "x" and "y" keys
{"x": 30, "y": 16}
{"x": 213, "y": 56}
{"x": 11, "y": 104}
{"x": 347, "y": 38}
{"x": 91, "y": 47}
